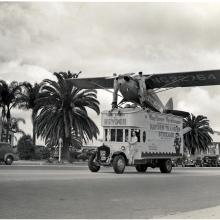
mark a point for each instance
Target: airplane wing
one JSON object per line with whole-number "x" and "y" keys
{"x": 163, "y": 80}
{"x": 93, "y": 83}
{"x": 184, "y": 79}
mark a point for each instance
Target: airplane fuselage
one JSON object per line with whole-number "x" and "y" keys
{"x": 130, "y": 90}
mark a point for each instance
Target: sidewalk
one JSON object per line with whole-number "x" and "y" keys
{"x": 45, "y": 163}
{"x": 207, "y": 213}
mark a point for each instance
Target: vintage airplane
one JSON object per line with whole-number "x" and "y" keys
{"x": 142, "y": 89}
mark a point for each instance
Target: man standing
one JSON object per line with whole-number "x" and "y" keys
{"x": 177, "y": 143}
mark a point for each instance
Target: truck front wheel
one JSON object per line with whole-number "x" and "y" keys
{"x": 165, "y": 166}
{"x": 141, "y": 168}
{"x": 119, "y": 164}
{"x": 92, "y": 166}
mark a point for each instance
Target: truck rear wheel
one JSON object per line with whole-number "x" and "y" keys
{"x": 92, "y": 166}
{"x": 141, "y": 168}
{"x": 119, "y": 164}
{"x": 165, "y": 166}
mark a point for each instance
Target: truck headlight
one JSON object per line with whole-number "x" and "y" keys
{"x": 123, "y": 148}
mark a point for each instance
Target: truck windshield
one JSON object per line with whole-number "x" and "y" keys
{"x": 119, "y": 135}
{"x": 114, "y": 135}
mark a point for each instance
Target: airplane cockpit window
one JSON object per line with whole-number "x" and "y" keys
{"x": 119, "y": 135}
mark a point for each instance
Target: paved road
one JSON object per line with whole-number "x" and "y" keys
{"x": 74, "y": 192}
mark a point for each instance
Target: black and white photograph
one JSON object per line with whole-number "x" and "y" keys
{"x": 110, "y": 110}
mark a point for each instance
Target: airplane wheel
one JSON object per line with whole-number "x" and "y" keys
{"x": 166, "y": 166}
{"x": 141, "y": 168}
{"x": 92, "y": 166}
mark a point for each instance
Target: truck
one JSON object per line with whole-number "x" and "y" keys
{"x": 159, "y": 140}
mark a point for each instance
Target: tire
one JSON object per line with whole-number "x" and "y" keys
{"x": 9, "y": 160}
{"x": 141, "y": 168}
{"x": 119, "y": 164}
{"x": 166, "y": 166}
{"x": 92, "y": 166}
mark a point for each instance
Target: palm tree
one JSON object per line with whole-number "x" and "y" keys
{"x": 27, "y": 101}
{"x": 199, "y": 137}
{"x": 9, "y": 93}
{"x": 62, "y": 112}
{"x": 68, "y": 75}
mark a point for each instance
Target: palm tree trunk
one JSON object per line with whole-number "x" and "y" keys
{"x": 8, "y": 124}
{"x": 34, "y": 135}
{"x": 65, "y": 148}
{"x": 34, "y": 130}
{"x": 1, "y": 128}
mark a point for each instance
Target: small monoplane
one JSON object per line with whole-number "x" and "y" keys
{"x": 142, "y": 89}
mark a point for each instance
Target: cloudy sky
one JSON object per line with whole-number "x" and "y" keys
{"x": 37, "y": 39}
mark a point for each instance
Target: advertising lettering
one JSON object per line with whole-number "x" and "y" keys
{"x": 164, "y": 127}
{"x": 184, "y": 78}
{"x": 114, "y": 121}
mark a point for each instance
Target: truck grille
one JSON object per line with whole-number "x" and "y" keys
{"x": 103, "y": 153}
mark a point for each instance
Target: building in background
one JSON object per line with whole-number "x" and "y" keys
{"x": 11, "y": 135}
{"x": 214, "y": 148}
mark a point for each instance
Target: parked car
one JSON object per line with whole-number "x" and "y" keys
{"x": 199, "y": 161}
{"x": 7, "y": 154}
{"x": 211, "y": 161}
{"x": 84, "y": 154}
{"x": 178, "y": 162}
{"x": 189, "y": 163}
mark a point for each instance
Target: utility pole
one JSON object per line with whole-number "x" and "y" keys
{"x": 60, "y": 148}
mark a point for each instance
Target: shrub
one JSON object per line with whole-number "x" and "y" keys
{"x": 26, "y": 147}
{"x": 41, "y": 152}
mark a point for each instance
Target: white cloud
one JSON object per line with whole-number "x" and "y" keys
{"x": 100, "y": 39}
{"x": 199, "y": 102}
{"x": 15, "y": 70}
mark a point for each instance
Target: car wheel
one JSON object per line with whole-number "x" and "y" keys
{"x": 141, "y": 168}
{"x": 119, "y": 164}
{"x": 9, "y": 160}
{"x": 92, "y": 166}
{"x": 165, "y": 166}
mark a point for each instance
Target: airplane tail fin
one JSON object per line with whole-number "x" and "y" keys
{"x": 169, "y": 105}
{"x": 169, "y": 109}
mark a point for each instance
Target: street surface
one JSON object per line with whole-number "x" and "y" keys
{"x": 74, "y": 192}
